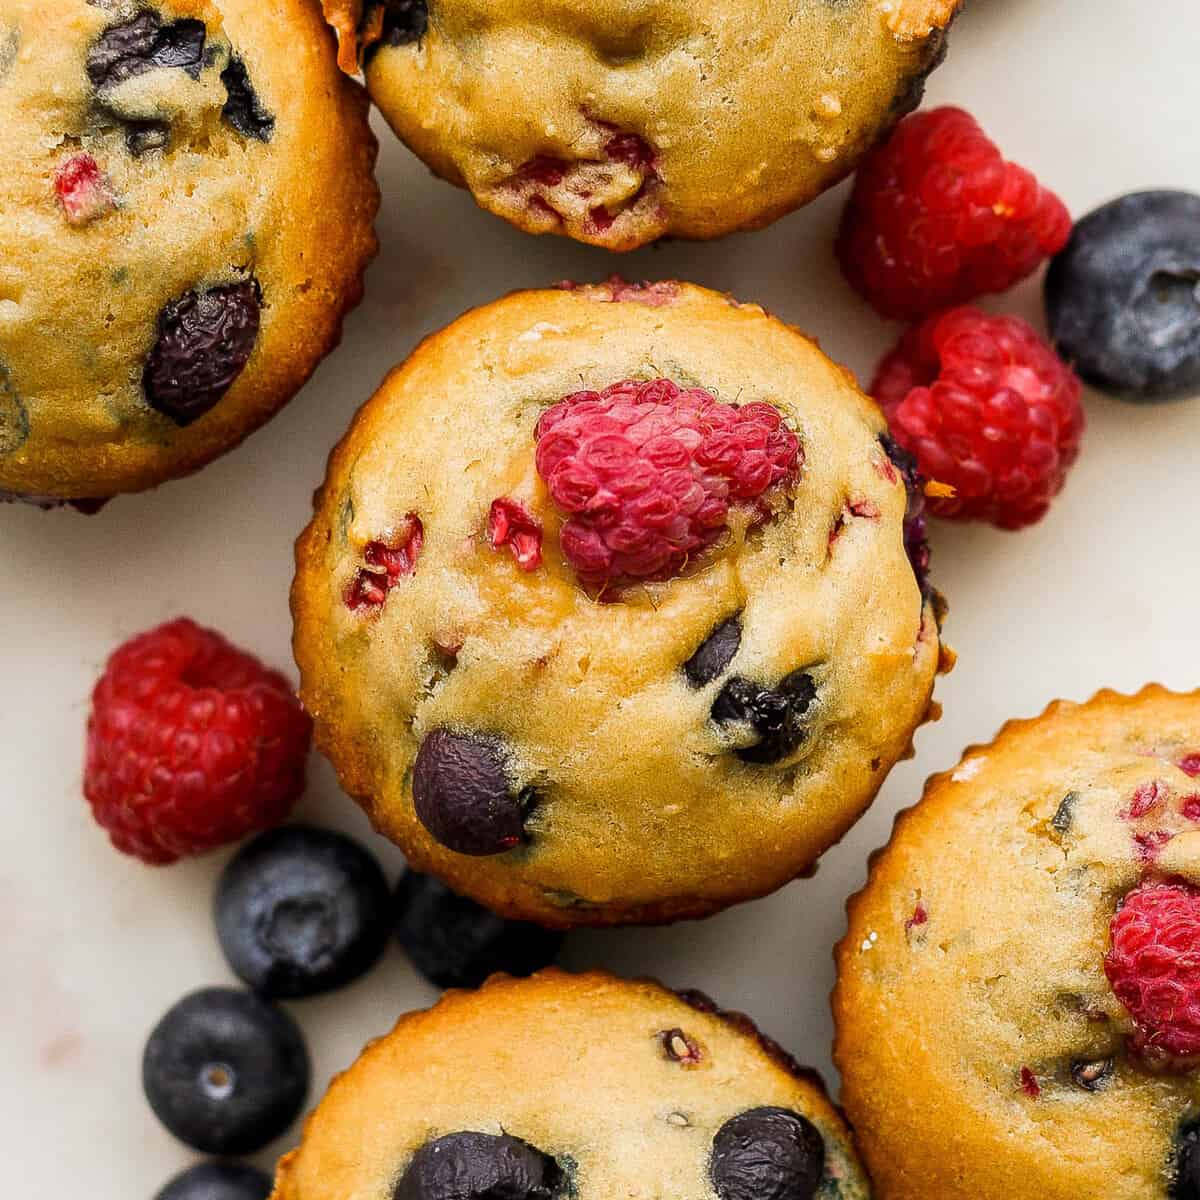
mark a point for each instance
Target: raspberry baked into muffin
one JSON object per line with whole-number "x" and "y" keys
{"x": 614, "y": 607}
{"x": 187, "y": 211}
{"x": 617, "y": 122}
{"x": 1018, "y": 1002}
{"x": 633, "y": 1091}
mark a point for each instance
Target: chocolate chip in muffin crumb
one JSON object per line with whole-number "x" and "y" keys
{"x": 141, "y": 137}
{"x": 767, "y": 1154}
{"x": 480, "y": 1166}
{"x": 243, "y": 109}
{"x": 204, "y": 340}
{"x": 142, "y": 44}
{"x": 715, "y": 653}
{"x": 464, "y": 797}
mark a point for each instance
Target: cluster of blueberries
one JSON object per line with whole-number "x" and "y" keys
{"x": 301, "y": 911}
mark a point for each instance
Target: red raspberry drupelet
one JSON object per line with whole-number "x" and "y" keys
{"x": 191, "y": 743}
{"x": 1154, "y": 969}
{"x": 647, "y": 472}
{"x": 988, "y": 408}
{"x": 937, "y": 217}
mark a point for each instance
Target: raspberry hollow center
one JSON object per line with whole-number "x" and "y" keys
{"x": 647, "y": 472}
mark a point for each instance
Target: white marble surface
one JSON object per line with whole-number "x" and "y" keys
{"x": 1098, "y": 96}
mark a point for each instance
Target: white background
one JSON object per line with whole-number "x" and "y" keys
{"x": 1099, "y": 97}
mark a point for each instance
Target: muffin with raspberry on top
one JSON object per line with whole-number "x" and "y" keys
{"x": 187, "y": 208}
{"x": 629, "y": 1090}
{"x": 617, "y": 122}
{"x": 1018, "y": 1000}
{"x": 614, "y": 607}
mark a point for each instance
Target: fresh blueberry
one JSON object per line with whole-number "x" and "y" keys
{"x": 1186, "y": 1185}
{"x": 767, "y": 1154}
{"x": 218, "y": 1181}
{"x": 480, "y": 1166}
{"x": 204, "y": 340}
{"x": 301, "y": 911}
{"x": 463, "y": 795}
{"x": 454, "y": 942}
{"x": 225, "y": 1072}
{"x": 715, "y": 653}
{"x": 1123, "y": 298}
{"x": 774, "y": 715}
{"x": 142, "y": 44}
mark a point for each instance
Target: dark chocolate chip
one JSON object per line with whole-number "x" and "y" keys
{"x": 243, "y": 109}
{"x": 1186, "y": 1184}
{"x": 776, "y": 715}
{"x": 767, "y": 1154}
{"x": 1092, "y": 1076}
{"x": 204, "y": 341}
{"x": 463, "y": 795}
{"x": 142, "y": 44}
{"x": 14, "y": 417}
{"x": 480, "y": 1166}
{"x": 1064, "y": 815}
{"x": 715, "y": 653}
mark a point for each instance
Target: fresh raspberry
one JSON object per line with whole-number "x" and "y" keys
{"x": 647, "y": 473}
{"x": 83, "y": 189}
{"x": 387, "y": 563}
{"x": 1154, "y": 969}
{"x": 988, "y": 408}
{"x": 191, "y": 744}
{"x": 511, "y": 524}
{"x": 937, "y": 217}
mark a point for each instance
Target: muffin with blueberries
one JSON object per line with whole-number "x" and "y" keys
{"x": 188, "y": 203}
{"x": 614, "y": 605}
{"x": 574, "y": 1086}
{"x": 1018, "y": 1001}
{"x": 617, "y": 122}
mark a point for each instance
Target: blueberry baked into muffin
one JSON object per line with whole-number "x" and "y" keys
{"x": 1018, "y": 1003}
{"x": 614, "y": 607}
{"x": 581, "y": 1086}
{"x": 617, "y": 122}
{"x": 187, "y": 209}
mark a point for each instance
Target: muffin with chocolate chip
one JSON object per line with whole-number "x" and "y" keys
{"x": 617, "y": 122}
{"x": 1018, "y": 1003}
{"x": 574, "y": 1086}
{"x": 614, "y": 606}
{"x": 187, "y": 211}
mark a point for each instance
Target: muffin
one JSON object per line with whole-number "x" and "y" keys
{"x": 607, "y": 611}
{"x": 1018, "y": 999}
{"x": 188, "y": 205}
{"x": 617, "y": 122}
{"x": 573, "y": 1085}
